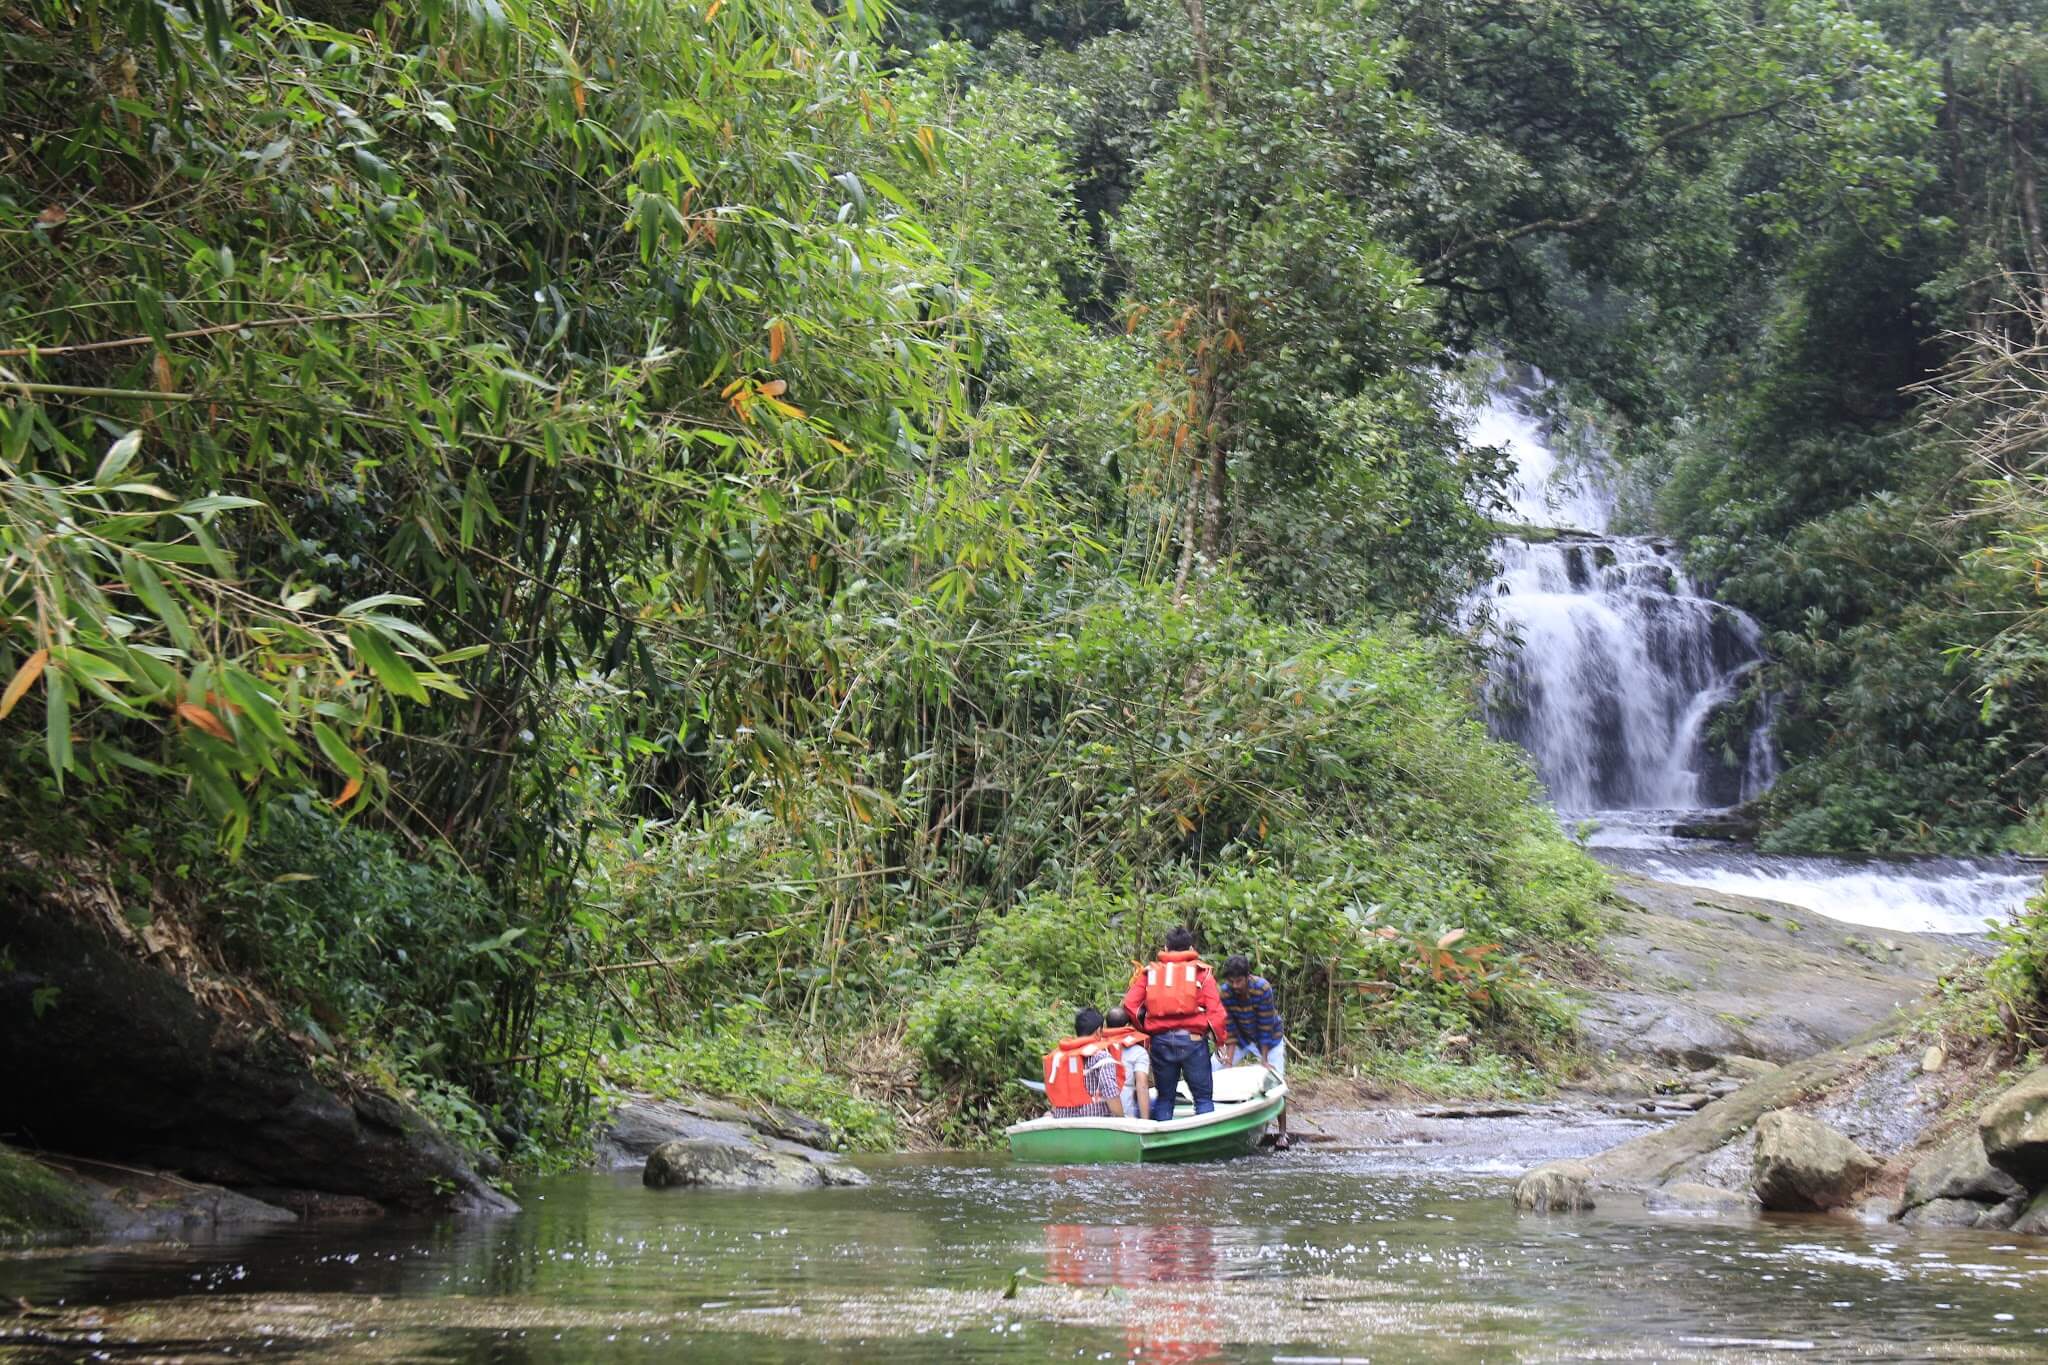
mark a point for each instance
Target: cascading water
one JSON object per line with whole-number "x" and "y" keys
{"x": 1615, "y": 661}
{"x": 1614, "y": 665}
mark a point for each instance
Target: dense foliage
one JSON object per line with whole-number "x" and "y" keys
{"x": 609, "y": 540}
{"x": 632, "y": 543}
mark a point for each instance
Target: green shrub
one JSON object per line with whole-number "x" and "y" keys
{"x": 362, "y": 938}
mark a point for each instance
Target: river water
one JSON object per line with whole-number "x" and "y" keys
{"x": 1395, "y": 1253}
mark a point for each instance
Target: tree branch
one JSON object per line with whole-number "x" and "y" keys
{"x": 1614, "y": 196}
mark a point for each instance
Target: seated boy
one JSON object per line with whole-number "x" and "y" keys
{"x": 1137, "y": 1059}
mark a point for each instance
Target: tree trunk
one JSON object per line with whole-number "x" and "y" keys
{"x": 2026, "y": 188}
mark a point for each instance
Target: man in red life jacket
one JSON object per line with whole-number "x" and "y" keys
{"x": 1175, "y": 998}
{"x": 1083, "y": 1078}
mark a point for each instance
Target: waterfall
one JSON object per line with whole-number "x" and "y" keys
{"x": 1613, "y": 664}
{"x": 1614, "y": 661}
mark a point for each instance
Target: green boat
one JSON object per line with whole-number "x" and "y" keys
{"x": 1233, "y": 1129}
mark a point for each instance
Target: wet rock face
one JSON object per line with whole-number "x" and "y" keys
{"x": 2014, "y": 1130}
{"x": 712, "y": 1164}
{"x": 1558, "y": 1187}
{"x": 130, "y": 1066}
{"x": 1804, "y": 1165}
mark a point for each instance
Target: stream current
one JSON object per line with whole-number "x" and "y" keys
{"x": 1617, "y": 667}
{"x": 1406, "y": 1252}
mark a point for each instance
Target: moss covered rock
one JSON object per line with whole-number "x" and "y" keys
{"x": 35, "y": 1201}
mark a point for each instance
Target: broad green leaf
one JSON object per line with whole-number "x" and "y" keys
{"x": 337, "y": 750}
{"x": 385, "y": 663}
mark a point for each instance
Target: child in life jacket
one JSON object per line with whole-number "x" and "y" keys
{"x": 1083, "y": 1078}
{"x": 1135, "y": 1053}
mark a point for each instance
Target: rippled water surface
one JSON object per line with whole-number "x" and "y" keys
{"x": 1315, "y": 1256}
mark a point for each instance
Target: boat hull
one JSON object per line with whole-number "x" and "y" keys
{"x": 1233, "y": 1130}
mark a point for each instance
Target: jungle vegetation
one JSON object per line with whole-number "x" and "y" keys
{"x": 775, "y": 548}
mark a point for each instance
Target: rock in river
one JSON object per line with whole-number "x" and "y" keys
{"x": 712, "y": 1164}
{"x": 1958, "y": 1169}
{"x": 2014, "y": 1129}
{"x": 1802, "y": 1164}
{"x": 1945, "y": 1213}
{"x": 1689, "y": 1196}
{"x": 1556, "y": 1187}
{"x": 2034, "y": 1222}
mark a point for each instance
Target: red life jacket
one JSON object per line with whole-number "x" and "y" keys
{"x": 1173, "y": 986}
{"x": 1066, "y": 1068}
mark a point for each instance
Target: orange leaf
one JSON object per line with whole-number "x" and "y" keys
{"x": 1452, "y": 937}
{"x": 24, "y": 678}
{"x": 775, "y": 340}
{"x": 712, "y": 13}
{"x": 579, "y": 95}
{"x": 161, "y": 369}
{"x": 775, "y": 388}
{"x": 205, "y": 720}
{"x": 348, "y": 792}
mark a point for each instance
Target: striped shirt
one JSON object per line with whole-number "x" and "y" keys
{"x": 1254, "y": 1018}
{"x": 1100, "y": 1078}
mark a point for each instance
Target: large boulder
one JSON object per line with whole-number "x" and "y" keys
{"x": 1802, "y": 1164}
{"x": 1556, "y": 1187}
{"x": 1958, "y": 1169}
{"x": 709, "y": 1163}
{"x": 2014, "y": 1130}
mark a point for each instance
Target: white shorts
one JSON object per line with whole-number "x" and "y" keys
{"x": 1247, "y": 1053}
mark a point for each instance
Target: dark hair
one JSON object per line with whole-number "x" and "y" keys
{"x": 1087, "y": 1020}
{"x": 1238, "y": 965}
{"x": 1179, "y": 939}
{"x": 1118, "y": 1017}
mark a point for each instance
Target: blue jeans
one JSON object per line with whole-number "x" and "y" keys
{"x": 1177, "y": 1055}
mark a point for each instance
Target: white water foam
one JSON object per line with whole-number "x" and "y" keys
{"x": 1906, "y": 895}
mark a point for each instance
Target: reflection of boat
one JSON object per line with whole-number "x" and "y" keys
{"x": 1247, "y": 1099}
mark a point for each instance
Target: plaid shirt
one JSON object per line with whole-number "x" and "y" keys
{"x": 1100, "y": 1078}
{"x": 1254, "y": 1018}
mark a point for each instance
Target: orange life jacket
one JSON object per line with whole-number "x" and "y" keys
{"x": 1066, "y": 1068}
{"x": 1121, "y": 1038}
{"x": 1173, "y": 985}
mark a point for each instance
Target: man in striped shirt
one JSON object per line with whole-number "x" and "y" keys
{"x": 1255, "y": 1025}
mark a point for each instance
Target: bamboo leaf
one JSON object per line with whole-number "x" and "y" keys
{"x": 202, "y": 719}
{"x": 337, "y": 750}
{"x": 24, "y": 678}
{"x": 57, "y": 726}
{"x": 386, "y": 664}
{"x": 119, "y": 456}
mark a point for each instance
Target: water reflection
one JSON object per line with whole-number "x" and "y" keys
{"x": 1185, "y": 1330}
{"x": 1318, "y": 1255}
